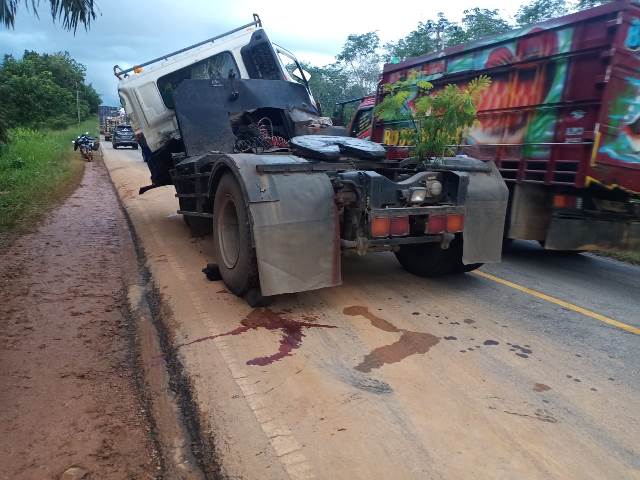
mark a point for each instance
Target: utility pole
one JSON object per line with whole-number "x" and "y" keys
{"x": 78, "y": 102}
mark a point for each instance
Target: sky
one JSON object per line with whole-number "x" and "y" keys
{"x": 128, "y": 33}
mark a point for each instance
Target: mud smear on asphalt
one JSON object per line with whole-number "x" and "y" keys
{"x": 541, "y": 387}
{"x": 409, "y": 343}
{"x": 268, "y": 319}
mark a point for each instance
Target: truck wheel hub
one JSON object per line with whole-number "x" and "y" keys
{"x": 228, "y": 232}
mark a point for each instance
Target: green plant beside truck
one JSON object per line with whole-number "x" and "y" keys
{"x": 561, "y": 120}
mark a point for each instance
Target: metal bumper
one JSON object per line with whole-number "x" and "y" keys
{"x": 585, "y": 233}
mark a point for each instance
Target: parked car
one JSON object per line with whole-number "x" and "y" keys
{"x": 123, "y": 137}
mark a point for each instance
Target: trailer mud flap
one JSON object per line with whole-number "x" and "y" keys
{"x": 296, "y": 237}
{"x": 294, "y": 223}
{"x": 486, "y": 207}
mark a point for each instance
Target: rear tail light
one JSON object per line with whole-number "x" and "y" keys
{"x": 436, "y": 224}
{"x": 399, "y": 226}
{"x": 380, "y": 227}
{"x": 564, "y": 201}
{"x": 445, "y": 223}
{"x": 455, "y": 223}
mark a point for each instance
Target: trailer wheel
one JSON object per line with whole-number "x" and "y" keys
{"x": 235, "y": 255}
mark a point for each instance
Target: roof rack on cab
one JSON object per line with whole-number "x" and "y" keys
{"x": 120, "y": 73}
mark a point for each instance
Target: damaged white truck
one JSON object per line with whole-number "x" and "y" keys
{"x": 286, "y": 194}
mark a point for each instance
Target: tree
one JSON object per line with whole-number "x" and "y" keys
{"x": 71, "y": 12}
{"x": 428, "y": 37}
{"x": 540, "y": 10}
{"x": 436, "y": 120}
{"x": 359, "y": 57}
{"x": 584, "y": 4}
{"x": 478, "y": 23}
{"x": 40, "y": 90}
{"x": 331, "y": 84}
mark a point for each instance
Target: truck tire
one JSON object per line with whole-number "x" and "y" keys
{"x": 456, "y": 254}
{"x": 425, "y": 260}
{"x": 235, "y": 256}
{"x": 429, "y": 260}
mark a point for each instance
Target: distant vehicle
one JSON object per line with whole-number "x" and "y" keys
{"x": 285, "y": 192}
{"x": 561, "y": 120}
{"x": 123, "y": 137}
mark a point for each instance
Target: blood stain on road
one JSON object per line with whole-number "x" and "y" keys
{"x": 409, "y": 343}
{"x": 268, "y": 319}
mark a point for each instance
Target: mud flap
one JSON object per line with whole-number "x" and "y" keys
{"x": 294, "y": 225}
{"x": 486, "y": 207}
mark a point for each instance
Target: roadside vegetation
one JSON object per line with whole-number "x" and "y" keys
{"x": 37, "y": 169}
{"x": 46, "y": 103}
{"x": 629, "y": 256}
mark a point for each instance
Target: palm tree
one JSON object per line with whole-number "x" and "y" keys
{"x": 70, "y": 12}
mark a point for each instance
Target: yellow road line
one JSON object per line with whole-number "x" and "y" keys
{"x": 562, "y": 303}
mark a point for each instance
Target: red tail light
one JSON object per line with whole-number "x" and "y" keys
{"x": 436, "y": 224}
{"x": 399, "y": 226}
{"x": 445, "y": 223}
{"x": 380, "y": 227}
{"x": 564, "y": 201}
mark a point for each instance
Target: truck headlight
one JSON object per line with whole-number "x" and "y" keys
{"x": 434, "y": 188}
{"x": 418, "y": 194}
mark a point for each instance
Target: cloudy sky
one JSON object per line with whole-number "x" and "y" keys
{"x": 127, "y": 32}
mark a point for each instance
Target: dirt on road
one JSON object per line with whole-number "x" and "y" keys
{"x": 69, "y": 403}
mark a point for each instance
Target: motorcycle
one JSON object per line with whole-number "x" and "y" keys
{"x": 87, "y": 145}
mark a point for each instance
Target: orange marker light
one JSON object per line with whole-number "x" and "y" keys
{"x": 137, "y": 69}
{"x": 399, "y": 226}
{"x": 380, "y": 227}
{"x": 455, "y": 223}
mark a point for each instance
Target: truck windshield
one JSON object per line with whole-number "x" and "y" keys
{"x": 217, "y": 67}
{"x": 292, "y": 68}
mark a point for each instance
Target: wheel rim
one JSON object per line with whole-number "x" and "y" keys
{"x": 228, "y": 234}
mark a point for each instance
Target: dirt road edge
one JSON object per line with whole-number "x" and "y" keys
{"x": 166, "y": 393}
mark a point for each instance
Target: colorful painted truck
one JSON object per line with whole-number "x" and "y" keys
{"x": 561, "y": 120}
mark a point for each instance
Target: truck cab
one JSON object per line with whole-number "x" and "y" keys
{"x": 244, "y": 53}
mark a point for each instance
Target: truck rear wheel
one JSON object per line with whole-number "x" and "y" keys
{"x": 235, "y": 256}
{"x": 429, "y": 260}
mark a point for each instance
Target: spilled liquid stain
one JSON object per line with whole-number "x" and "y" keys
{"x": 409, "y": 343}
{"x": 269, "y": 320}
{"x": 541, "y": 387}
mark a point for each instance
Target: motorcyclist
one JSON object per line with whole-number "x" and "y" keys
{"x": 86, "y": 143}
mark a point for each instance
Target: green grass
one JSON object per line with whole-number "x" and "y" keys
{"x": 629, "y": 256}
{"x": 37, "y": 169}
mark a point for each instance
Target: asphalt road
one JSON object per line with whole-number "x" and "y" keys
{"x": 527, "y": 369}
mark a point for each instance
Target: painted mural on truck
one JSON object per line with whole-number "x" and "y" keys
{"x": 624, "y": 119}
{"x": 519, "y": 106}
{"x": 624, "y": 111}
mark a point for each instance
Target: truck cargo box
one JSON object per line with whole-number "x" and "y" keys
{"x": 564, "y": 105}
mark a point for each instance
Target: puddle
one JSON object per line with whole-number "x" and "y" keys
{"x": 409, "y": 343}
